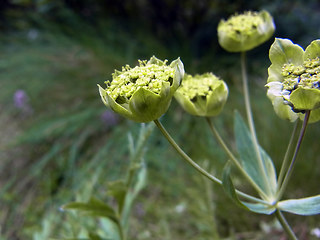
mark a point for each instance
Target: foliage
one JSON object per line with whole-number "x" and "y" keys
{"x": 57, "y": 51}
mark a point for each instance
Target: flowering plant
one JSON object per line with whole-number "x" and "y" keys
{"x": 144, "y": 94}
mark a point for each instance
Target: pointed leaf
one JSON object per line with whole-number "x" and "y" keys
{"x": 228, "y": 186}
{"x": 302, "y": 206}
{"x": 140, "y": 179}
{"x": 118, "y": 190}
{"x": 110, "y": 228}
{"x": 260, "y": 208}
{"x": 249, "y": 159}
{"x": 93, "y": 207}
{"x": 231, "y": 192}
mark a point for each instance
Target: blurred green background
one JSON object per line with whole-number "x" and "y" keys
{"x": 58, "y": 141}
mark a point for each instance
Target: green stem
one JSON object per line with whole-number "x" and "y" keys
{"x": 233, "y": 158}
{"x": 250, "y": 119}
{"x": 197, "y": 167}
{"x": 293, "y": 160}
{"x": 285, "y": 163}
{"x": 286, "y": 227}
{"x": 121, "y": 233}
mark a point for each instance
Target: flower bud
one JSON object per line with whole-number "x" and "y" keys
{"x": 143, "y": 93}
{"x": 202, "y": 95}
{"x": 246, "y": 31}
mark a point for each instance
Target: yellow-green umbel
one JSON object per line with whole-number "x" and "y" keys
{"x": 243, "y": 32}
{"x": 202, "y": 95}
{"x": 294, "y": 79}
{"x": 143, "y": 93}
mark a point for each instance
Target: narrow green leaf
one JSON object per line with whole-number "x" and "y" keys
{"x": 303, "y": 206}
{"x": 231, "y": 192}
{"x": 228, "y": 186}
{"x": 93, "y": 207}
{"x": 260, "y": 208}
{"x": 140, "y": 179}
{"x": 118, "y": 190}
{"x": 249, "y": 160}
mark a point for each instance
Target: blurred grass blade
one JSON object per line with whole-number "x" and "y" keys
{"x": 303, "y": 206}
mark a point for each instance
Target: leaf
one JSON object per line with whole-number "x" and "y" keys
{"x": 249, "y": 160}
{"x": 303, "y": 206}
{"x": 94, "y": 236}
{"x": 228, "y": 186}
{"x": 231, "y": 192}
{"x": 137, "y": 181}
{"x": 110, "y": 228}
{"x": 140, "y": 180}
{"x": 118, "y": 190}
{"x": 93, "y": 207}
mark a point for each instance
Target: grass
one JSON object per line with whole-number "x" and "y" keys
{"x": 63, "y": 151}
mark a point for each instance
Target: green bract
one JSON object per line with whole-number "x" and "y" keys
{"x": 202, "y": 95}
{"x": 143, "y": 93}
{"x": 246, "y": 31}
{"x": 293, "y": 82}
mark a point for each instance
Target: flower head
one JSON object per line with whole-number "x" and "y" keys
{"x": 294, "y": 79}
{"x": 202, "y": 95}
{"x": 143, "y": 93}
{"x": 245, "y": 31}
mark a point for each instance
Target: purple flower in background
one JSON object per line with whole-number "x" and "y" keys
{"x": 109, "y": 118}
{"x": 21, "y": 101}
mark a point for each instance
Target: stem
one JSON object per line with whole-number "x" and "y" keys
{"x": 286, "y": 227}
{"x": 250, "y": 119}
{"x": 197, "y": 167}
{"x": 121, "y": 233}
{"x": 285, "y": 163}
{"x": 233, "y": 158}
{"x": 293, "y": 160}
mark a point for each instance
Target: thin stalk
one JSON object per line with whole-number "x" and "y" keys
{"x": 250, "y": 119}
{"x": 197, "y": 167}
{"x": 286, "y": 227}
{"x": 293, "y": 160}
{"x": 285, "y": 163}
{"x": 233, "y": 158}
{"x": 121, "y": 233}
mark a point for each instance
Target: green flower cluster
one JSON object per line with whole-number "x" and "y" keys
{"x": 202, "y": 95}
{"x": 243, "y": 32}
{"x": 143, "y": 93}
{"x": 293, "y": 82}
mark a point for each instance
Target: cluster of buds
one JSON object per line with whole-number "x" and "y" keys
{"x": 144, "y": 93}
{"x": 243, "y": 32}
{"x": 202, "y": 95}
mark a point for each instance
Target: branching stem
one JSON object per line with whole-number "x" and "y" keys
{"x": 293, "y": 160}
{"x": 197, "y": 167}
